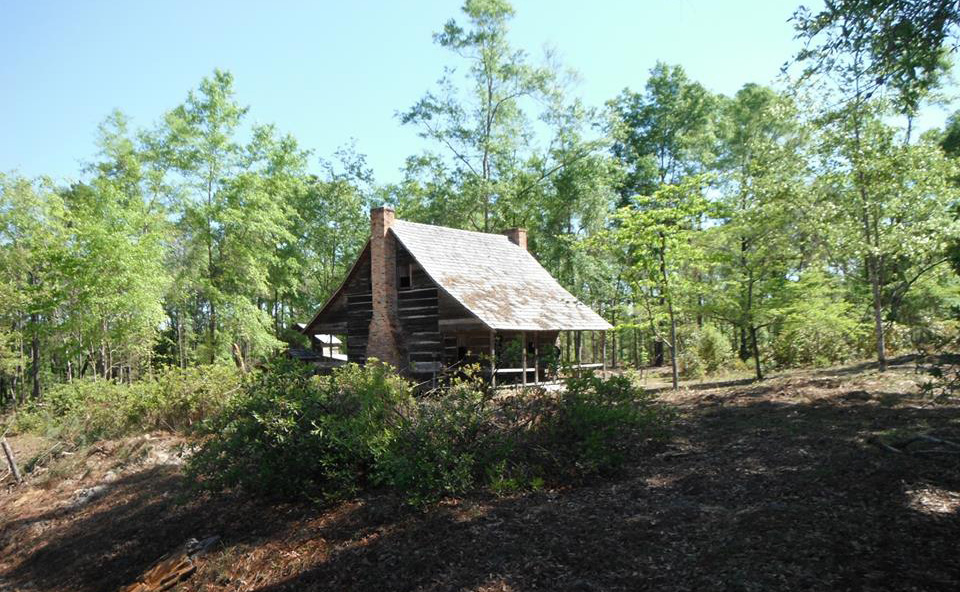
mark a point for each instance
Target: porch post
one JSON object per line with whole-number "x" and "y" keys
{"x": 536, "y": 358}
{"x": 603, "y": 350}
{"x": 493, "y": 359}
{"x": 523, "y": 357}
{"x": 578, "y": 342}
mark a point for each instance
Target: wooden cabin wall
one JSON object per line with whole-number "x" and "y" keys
{"x": 359, "y": 312}
{"x": 419, "y": 315}
{"x": 461, "y": 331}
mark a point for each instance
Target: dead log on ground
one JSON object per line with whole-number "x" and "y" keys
{"x": 173, "y": 568}
{"x": 11, "y": 460}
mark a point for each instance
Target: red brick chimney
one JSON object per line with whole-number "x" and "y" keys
{"x": 383, "y": 339}
{"x": 517, "y": 236}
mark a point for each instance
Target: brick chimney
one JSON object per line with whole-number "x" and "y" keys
{"x": 383, "y": 339}
{"x": 517, "y": 236}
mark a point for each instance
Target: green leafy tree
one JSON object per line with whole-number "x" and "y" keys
{"x": 887, "y": 204}
{"x": 33, "y": 246}
{"x": 233, "y": 214}
{"x": 662, "y": 136}
{"x": 899, "y": 44}
{"x": 330, "y": 226}
{"x": 482, "y": 130}
{"x": 762, "y": 235}
{"x": 660, "y": 234}
{"x": 665, "y": 133}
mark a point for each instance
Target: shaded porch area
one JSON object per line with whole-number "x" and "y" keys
{"x": 526, "y": 358}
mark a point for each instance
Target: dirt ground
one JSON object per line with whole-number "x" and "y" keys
{"x": 807, "y": 481}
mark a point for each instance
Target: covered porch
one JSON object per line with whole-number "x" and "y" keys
{"x": 531, "y": 358}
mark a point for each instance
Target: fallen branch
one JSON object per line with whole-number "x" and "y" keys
{"x": 930, "y": 439}
{"x": 11, "y": 460}
{"x": 44, "y": 456}
{"x": 877, "y": 441}
{"x": 900, "y": 447}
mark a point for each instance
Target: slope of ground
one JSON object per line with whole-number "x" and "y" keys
{"x": 808, "y": 481}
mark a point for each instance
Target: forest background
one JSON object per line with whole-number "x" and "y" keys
{"x": 805, "y": 223}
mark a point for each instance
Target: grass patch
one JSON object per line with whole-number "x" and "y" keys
{"x": 85, "y": 411}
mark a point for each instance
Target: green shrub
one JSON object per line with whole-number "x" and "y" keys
{"x": 290, "y": 433}
{"x": 939, "y": 360}
{"x": 294, "y": 435}
{"x": 442, "y": 446}
{"x": 82, "y": 411}
{"x": 178, "y": 398}
{"x": 523, "y": 440}
{"x": 706, "y": 351}
{"x": 819, "y": 327}
{"x": 587, "y": 428}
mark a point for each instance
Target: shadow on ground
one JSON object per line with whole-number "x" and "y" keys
{"x": 109, "y": 542}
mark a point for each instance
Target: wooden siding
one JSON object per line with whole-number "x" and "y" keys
{"x": 418, "y": 315}
{"x": 359, "y": 311}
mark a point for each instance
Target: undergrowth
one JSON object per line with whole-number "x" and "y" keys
{"x": 291, "y": 434}
{"x": 85, "y": 411}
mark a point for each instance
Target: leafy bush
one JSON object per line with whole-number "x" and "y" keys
{"x": 706, "y": 351}
{"x": 178, "y": 398}
{"x": 819, "y": 327}
{"x": 944, "y": 382}
{"x": 587, "y": 428}
{"x": 291, "y": 433}
{"x": 442, "y": 446}
{"x": 300, "y": 436}
{"x": 940, "y": 361}
{"x": 84, "y": 411}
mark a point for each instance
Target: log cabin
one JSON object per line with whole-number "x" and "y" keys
{"x": 427, "y": 298}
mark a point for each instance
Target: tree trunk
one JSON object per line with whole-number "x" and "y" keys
{"x": 877, "y": 313}
{"x": 35, "y": 359}
{"x": 668, "y": 296}
{"x": 673, "y": 347}
{"x": 212, "y": 327}
{"x": 658, "y": 354}
{"x": 180, "y": 341}
{"x": 18, "y": 380}
{"x": 613, "y": 349}
{"x": 756, "y": 352}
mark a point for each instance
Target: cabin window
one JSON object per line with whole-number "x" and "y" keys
{"x": 406, "y": 276}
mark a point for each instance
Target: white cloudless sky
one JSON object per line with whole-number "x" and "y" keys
{"x": 329, "y": 72}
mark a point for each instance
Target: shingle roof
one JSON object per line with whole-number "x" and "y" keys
{"x": 496, "y": 280}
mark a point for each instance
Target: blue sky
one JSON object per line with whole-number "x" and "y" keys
{"x": 331, "y": 71}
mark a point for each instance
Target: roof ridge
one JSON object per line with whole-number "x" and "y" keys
{"x": 489, "y": 234}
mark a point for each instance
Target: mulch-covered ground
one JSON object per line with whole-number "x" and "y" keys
{"x": 810, "y": 481}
